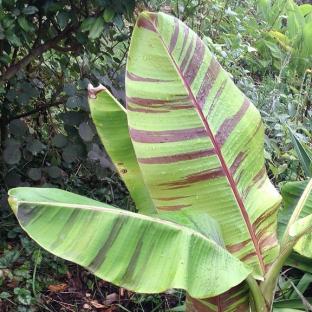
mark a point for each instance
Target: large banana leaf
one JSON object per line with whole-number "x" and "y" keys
{"x": 198, "y": 139}
{"x": 291, "y": 193}
{"x": 110, "y": 119}
{"x": 139, "y": 252}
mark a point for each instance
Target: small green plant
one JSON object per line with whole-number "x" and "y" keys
{"x": 189, "y": 148}
{"x": 288, "y": 35}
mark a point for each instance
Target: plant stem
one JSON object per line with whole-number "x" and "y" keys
{"x": 260, "y": 304}
{"x": 269, "y": 284}
{"x": 287, "y": 245}
{"x": 297, "y": 211}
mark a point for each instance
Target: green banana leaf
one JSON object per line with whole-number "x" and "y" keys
{"x": 141, "y": 253}
{"x": 286, "y": 310}
{"x": 289, "y": 304}
{"x": 110, "y": 119}
{"x": 198, "y": 139}
{"x": 297, "y": 261}
{"x": 306, "y": 11}
{"x": 303, "y": 284}
{"x": 291, "y": 193}
{"x": 303, "y": 227}
{"x": 304, "y": 154}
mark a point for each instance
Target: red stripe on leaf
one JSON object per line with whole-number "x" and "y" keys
{"x": 156, "y": 102}
{"x": 174, "y": 37}
{"x": 177, "y": 157}
{"x": 195, "y": 63}
{"x": 187, "y": 56}
{"x": 265, "y": 216}
{"x": 250, "y": 256}
{"x": 171, "y": 198}
{"x": 172, "y": 208}
{"x": 208, "y": 80}
{"x": 143, "y": 136}
{"x": 196, "y": 177}
{"x": 268, "y": 242}
{"x": 145, "y": 110}
{"x": 229, "y": 124}
{"x": 216, "y": 97}
{"x": 259, "y": 175}
{"x": 135, "y": 77}
{"x": 237, "y": 247}
{"x": 237, "y": 162}
{"x": 186, "y": 35}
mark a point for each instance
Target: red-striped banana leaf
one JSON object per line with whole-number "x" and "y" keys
{"x": 136, "y": 251}
{"x": 236, "y": 299}
{"x": 110, "y": 119}
{"x": 291, "y": 193}
{"x": 198, "y": 139}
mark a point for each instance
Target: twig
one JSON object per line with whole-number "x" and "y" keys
{"x": 36, "y": 110}
{"x": 35, "y": 52}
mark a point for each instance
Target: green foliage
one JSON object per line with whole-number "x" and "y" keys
{"x": 48, "y": 56}
{"x": 288, "y": 32}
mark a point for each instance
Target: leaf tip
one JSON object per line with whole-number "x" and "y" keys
{"x": 93, "y": 91}
{"x": 13, "y": 202}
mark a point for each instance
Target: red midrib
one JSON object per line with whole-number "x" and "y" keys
{"x": 222, "y": 161}
{"x": 219, "y": 304}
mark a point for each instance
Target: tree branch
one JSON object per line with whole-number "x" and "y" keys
{"x": 36, "y": 110}
{"x": 35, "y": 52}
{"x": 71, "y": 48}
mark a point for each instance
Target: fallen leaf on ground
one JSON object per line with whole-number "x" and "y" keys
{"x": 111, "y": 298}
{"x": 58, "y": 287}
{"x": 96, "y": 304}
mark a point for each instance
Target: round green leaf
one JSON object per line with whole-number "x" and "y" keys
{"x": 108, "y": 15}
{"x": 34, "y": 174}
{"x": 59, "y": 140}
{"x": 18, "y": 128}
{"x": 35, "y": 146}
{"x": 69, "y": 89}
{"x": 12, "y": 154}
{"x": 73, "y": 102}
{"x": 25, "y": 25}
{"x": 54, "y": 172}
{"x": 30, "y": 10}
{"x": 69, "y": 154}
{"x": 96, "y": 28}
{"x": 72, "y": 118}
{"x": 86, "y": 132}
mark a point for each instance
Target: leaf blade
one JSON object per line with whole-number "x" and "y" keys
{"x": 110, "y": 119}
{"x": 304, "y": 155}
{"x": 292, "y": 192}
{"x": 175, "y": 89}
{"x": 178, "y": 255}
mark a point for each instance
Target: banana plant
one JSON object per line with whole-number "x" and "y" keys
{"x": 189, "y": 148}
